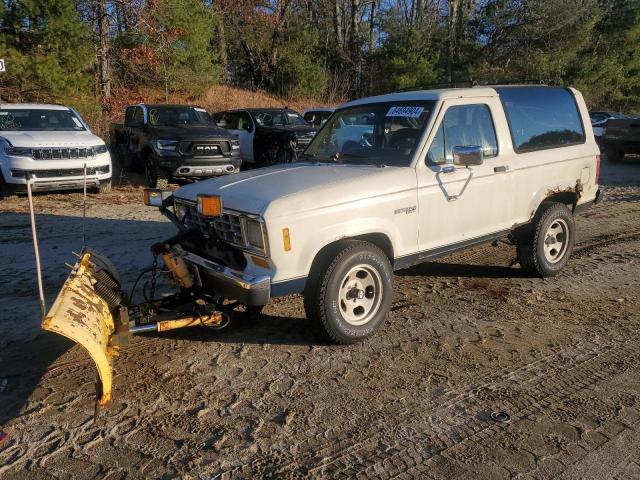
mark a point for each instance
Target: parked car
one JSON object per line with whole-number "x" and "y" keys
{"x": 317, "y": 116}
{"x": 174, "y": 141}
{"x": 425, "y": 174}
{"x": 598, "y": 120}
{"x": 620, "y": 137}
{"x": 52, "y": 145}
{"x": 267, "y": 135}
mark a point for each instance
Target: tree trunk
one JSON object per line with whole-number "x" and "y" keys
{"x": 104, "y": 75}
{"x": 222, "y": 47}
{"x": 337, "y": 24}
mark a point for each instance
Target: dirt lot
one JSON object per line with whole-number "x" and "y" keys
{"x": 267, "y": 397}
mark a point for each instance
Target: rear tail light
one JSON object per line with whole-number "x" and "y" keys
{"x": 597, "y": 169}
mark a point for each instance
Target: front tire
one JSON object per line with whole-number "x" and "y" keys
{"x": 545, "y": 248}
{"x": 349, "y": 291}
{"x": 155, "y": 176}
{"x": 105, "y": 186}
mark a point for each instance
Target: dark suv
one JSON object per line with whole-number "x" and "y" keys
{"x": 267, "y": 135}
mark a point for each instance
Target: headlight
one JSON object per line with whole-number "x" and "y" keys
{"x": 181, "y": 211}
{"x": 98, "y": 149}
{"x": 19, "y": 151}
{"x": 255, "y": 235}
{"x": 235, "y": 144}
{"x": 166, "y": 145}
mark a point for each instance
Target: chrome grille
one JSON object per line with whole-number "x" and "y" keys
{"x": 303, "y": 140}
{"x": 229, "y": 228}
{"x": 58, "y": 153}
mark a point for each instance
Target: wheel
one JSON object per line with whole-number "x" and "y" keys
{"x": 156, "y": 177}
{"x": 105, "y": 186}
{"x": 546, "y": 247}
{"x": 284, "y": 155}
{"x": 349, "y": 292}
{"x": 5, "y": 191}
{"x": 614, "y": 155}
{"x": 254, "y": 311}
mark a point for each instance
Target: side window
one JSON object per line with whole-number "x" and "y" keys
{"x": 128, "y": 116}
{"x": 463, "y": 126}
{"x": 138, "y": 115}
{"x": 245, "y": 122}
{"x": 231, "y": 120}
{"x": 541, "y": 117}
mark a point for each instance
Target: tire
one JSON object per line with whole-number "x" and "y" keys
{"x": 284, "y": 155}
{"x": 254, "y": 311}
{"x": 105, "y": 186}
{"x": 154, "y": 176}
{"x": 349, "y": 291}
{"x": 545, "y": 248}
{"x": 5, "y": 191}
{"x": 614, "y": 155}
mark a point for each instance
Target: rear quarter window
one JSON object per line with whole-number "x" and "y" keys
{"x": 541, "y": 117}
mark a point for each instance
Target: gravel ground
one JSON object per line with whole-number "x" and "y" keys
{"x": 268, "y": 397}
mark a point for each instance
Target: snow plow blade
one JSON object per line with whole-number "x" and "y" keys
{"x": 83, "y": 315}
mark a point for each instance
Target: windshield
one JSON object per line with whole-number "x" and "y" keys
{"x": 278, "y": 118}
{"x": 377, "y": 133}
{"x": 178, "y": 116}
{"x": 39, "y": 120}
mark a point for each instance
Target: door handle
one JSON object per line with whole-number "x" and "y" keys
{"x": 501, "y": 169}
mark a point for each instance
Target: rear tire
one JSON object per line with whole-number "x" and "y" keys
{"x": 155, "y": 176}
{"x": 5, "y": 191}
{"x": 544, "y": 249}
{"x": 349, "y": 291}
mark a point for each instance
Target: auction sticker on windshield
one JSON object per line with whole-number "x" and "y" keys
{"x": 411, "y": 112}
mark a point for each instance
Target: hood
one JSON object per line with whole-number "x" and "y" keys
{"x": 291, "y": 188}
{"x": 52, "y": 139}
{"x": 188, "y": 132}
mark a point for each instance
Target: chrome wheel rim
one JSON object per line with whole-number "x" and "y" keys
{"x": 360, "y": 295}
{"x": 556, "y": 240}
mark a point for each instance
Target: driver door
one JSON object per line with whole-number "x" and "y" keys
{"x": 241, "y": 125}
{"x": 459, "y": 205}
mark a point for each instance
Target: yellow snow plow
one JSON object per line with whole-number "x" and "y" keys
{"x": 92, "y": 310}
{"x": 81, "y": 315}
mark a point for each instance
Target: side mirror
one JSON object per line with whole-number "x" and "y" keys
{"x": 467, "y": 156}
{"x": 249, "y": 127}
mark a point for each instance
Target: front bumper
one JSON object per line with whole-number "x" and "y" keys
{"x": 248, "y": 289}
{"x": 188, "y": 171}
{"x": 58, "y": 174}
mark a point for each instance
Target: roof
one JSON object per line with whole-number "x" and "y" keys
{"x": 440, "y": 94}
{"x": 167, "y": 105}
{"x": 260, "y": 109}
{"x": 32, "y": 106}
{"x": 319, "y": 109}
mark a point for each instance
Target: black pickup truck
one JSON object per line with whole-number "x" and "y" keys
{"x": 174, "y": 142}
{"x": 619, "y": 137}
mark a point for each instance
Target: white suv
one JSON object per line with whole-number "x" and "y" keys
{"x": 389, "y": 182}
{"x": 52, "y": 145}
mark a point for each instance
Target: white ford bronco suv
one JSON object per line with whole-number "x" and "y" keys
{"x": 51, "y": 144}
{"x": 388, "y": 182}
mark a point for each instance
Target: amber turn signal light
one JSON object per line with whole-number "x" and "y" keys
{"x": 286, "y": 239}
{"x": 210, "y": 205}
